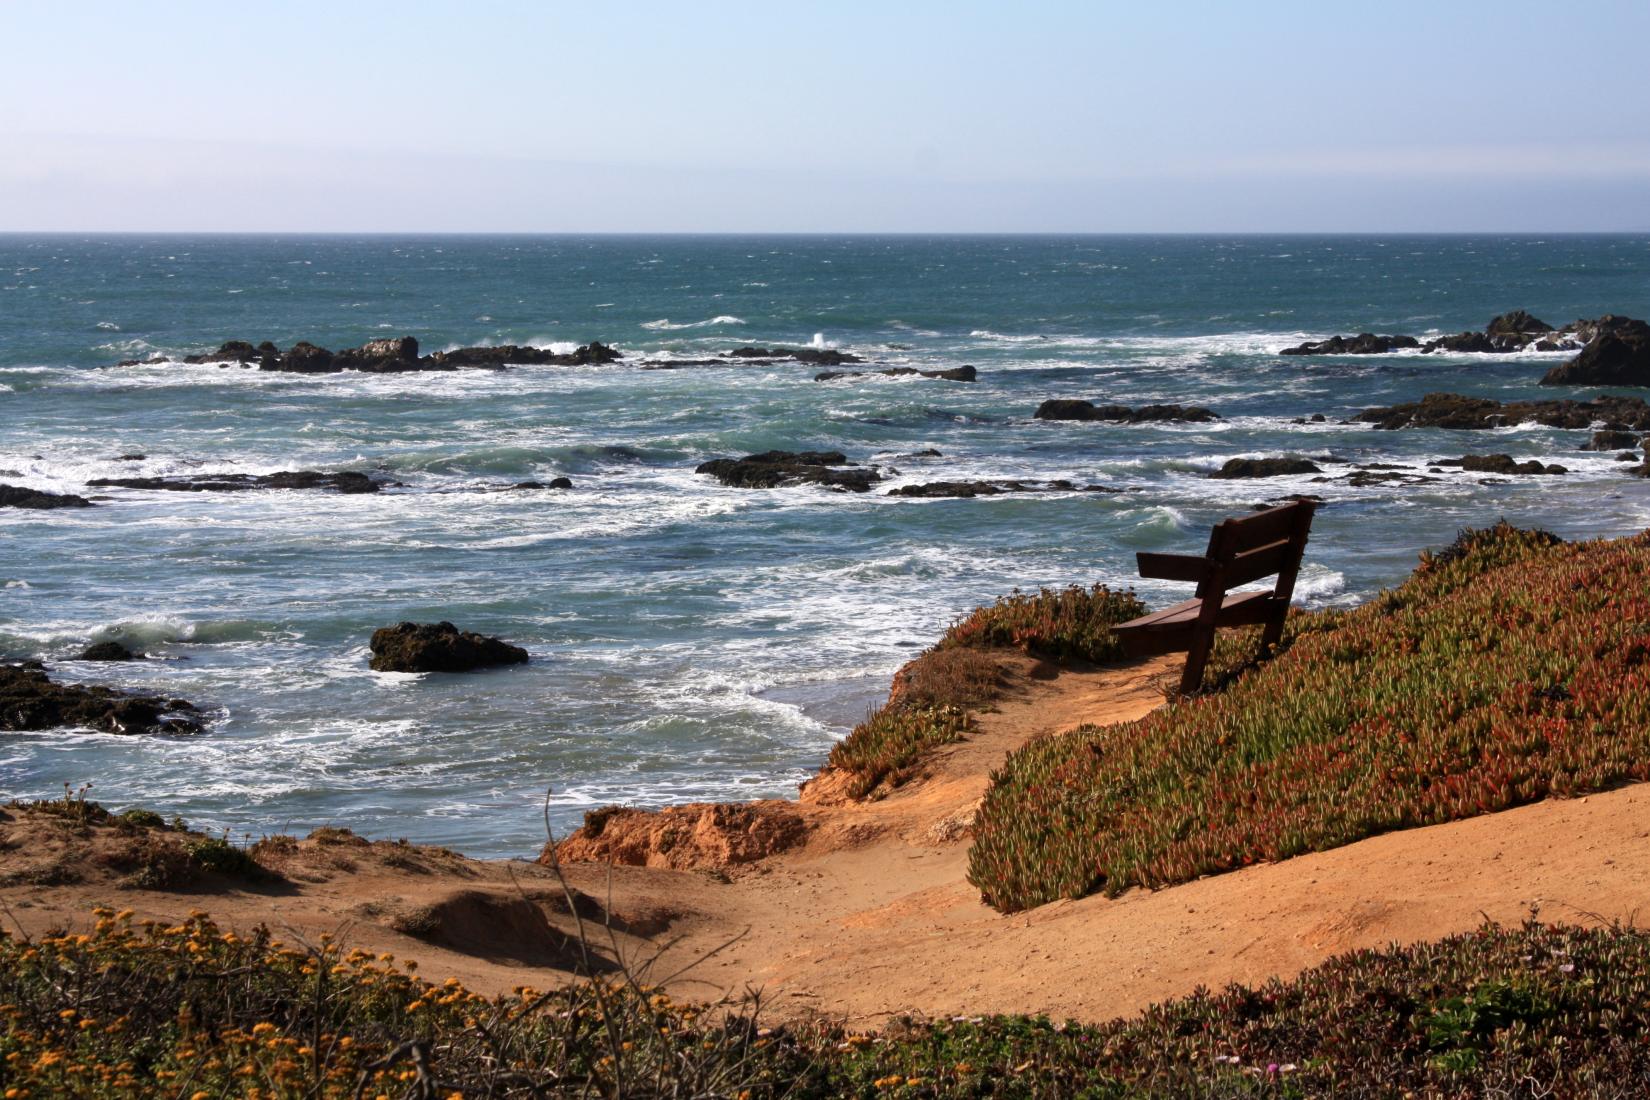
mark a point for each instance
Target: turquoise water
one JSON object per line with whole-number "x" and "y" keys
{"x": 689, "y": 640}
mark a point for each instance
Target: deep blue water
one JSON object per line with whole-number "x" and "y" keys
{"x": 689, "y": 640}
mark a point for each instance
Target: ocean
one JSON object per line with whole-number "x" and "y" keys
{"x": 689, "y": 640}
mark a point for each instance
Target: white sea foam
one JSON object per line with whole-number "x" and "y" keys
{"x": 667, "y": 325}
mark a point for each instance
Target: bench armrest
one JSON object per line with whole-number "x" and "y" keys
{"x": 1193, "y": 568}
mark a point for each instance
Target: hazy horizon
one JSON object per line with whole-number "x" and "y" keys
{"x": 1058, "y": 117}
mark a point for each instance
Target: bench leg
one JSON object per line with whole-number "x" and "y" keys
{"x": 1274, "y": 632}
{"x": 1197, "y": 657}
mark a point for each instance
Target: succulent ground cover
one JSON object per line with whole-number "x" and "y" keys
{"x": 1509, "y": 668}
{"x": 125, "y": 1010}
{"x": 929, "y": 705}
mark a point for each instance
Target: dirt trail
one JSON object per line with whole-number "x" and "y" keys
{"x": 873, "y": 915}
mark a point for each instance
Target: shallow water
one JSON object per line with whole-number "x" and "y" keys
{"x": 689, "y": 640}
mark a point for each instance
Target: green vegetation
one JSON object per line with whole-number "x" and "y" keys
{"x": 929, "y": 704}
{"x": 1070, "y": 624}
{"x": 887, "y": 749}
{"x": 1507, "y": 669}
{"x": 191, "y": 1011}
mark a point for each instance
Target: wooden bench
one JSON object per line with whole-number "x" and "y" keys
{"x": 1240, "y": 552}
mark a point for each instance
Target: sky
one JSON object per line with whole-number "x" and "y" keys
{"x": 847, "y": 116}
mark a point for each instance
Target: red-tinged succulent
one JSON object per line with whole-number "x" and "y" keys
{"x": 1507, "y": 669}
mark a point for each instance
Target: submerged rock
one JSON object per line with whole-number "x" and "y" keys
{"x": 1365, "y": 343}
{"x": 346, "y": 481}
{"x": 1500, "y": 464}
{"x": 438, "y": 647}
{"x": 553, "y": 483}
{"x": 819, "y": 357}
{"x": 1608, "y": 440}
{"x": 1072, "y": 409}
{"x": 955, "y": 374}
{"x": 396, "y": 355}
{"x": 30, "y": 700}
{"x": 19, "y": 496}
{"x": 967, "y": 489}
{"x": 107, "y": 651}
{"x": 1617, "y": 354}
{"x": 772, "y": 469}
{"x": 1266, "y": 467}
{"x": 1453, "y": 410}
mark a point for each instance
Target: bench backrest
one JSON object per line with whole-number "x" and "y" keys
{"x": 1245, "y": 549}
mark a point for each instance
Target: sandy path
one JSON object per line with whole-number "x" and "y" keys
{"x": 874, "y": 916}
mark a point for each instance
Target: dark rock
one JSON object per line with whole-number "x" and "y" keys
{"x": 554, "y": 483}
{"x": 1618, "y": 354}
{"x": 1365, "y": 343}
{"x": 967, "y": 489}
{"x": 1266, "y": 467}
{"x": 232, "y": 351}
{"x": 29, "y": 700}
{"x": 1516, "y": 323}
{"x": 1067, "y": 409}
{"x": 107, "y": 651}
{"x": 395, "y": 355}
{"x": 438, "y": 647}
{"x": 1500, "y": 464}
{"x": 1453, "y": 410}
{"x": 955, "y": 374}
{"x": 20, "y": 496}
{"x": 131, "y": 458}
{"x": 1474, "y": 342}
{"x": 346, "y": 481}
{"x": 772, "y": 469}
{"x": 819, "y": 357}
{"x": 1608, "y": 440}
{"x": 304, "y": 358}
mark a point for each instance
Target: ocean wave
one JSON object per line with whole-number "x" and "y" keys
{"x": 665, "y": 324}
{"x": 151, "y": 630}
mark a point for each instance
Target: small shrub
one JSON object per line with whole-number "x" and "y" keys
{"x": 886, "y": 749}
{"x": 952, "y": 677}
{"x": 1070, "y": 624}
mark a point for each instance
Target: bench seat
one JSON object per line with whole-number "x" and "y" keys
{"x": 1168, "y": 630}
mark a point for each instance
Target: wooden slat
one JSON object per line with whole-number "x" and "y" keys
{"x": 1192, "y": 568}
{"x": 1263, "y": 562}
{"x": 1251, "y": 532}
{"x": 1174, "y": 611}
{"x": 1238, "y": 609}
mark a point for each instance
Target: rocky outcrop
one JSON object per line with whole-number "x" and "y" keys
{"x": 1453, "y": 410}
{"x": 1266, "y": 467}
{"x": 955, "y": 374}
{"x": 107, "y": 651}
{"x": 818, "y": 357}
{"x": 697, "y": 836}
{"x": 346, "y": 481}
{"x": 438, "y": 647}
{"x": 396, "y": 355}
{"x": 1517, "y": 323}
{"x": 553, "y": 483}
{"x": 1617, "y": 354}
{"x": 1608, "y": 440}
{"x": 20, "y": 496}
{"x": 1071, "y": 409}
{"x": 1500, "y": 464}
{"x": 966, "y": 489}
{"x": 772, "y": 469}
{"x": 1365, "y": 343}
{"x": 30, "y": 700}
{"x": 1508, "y": 332}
